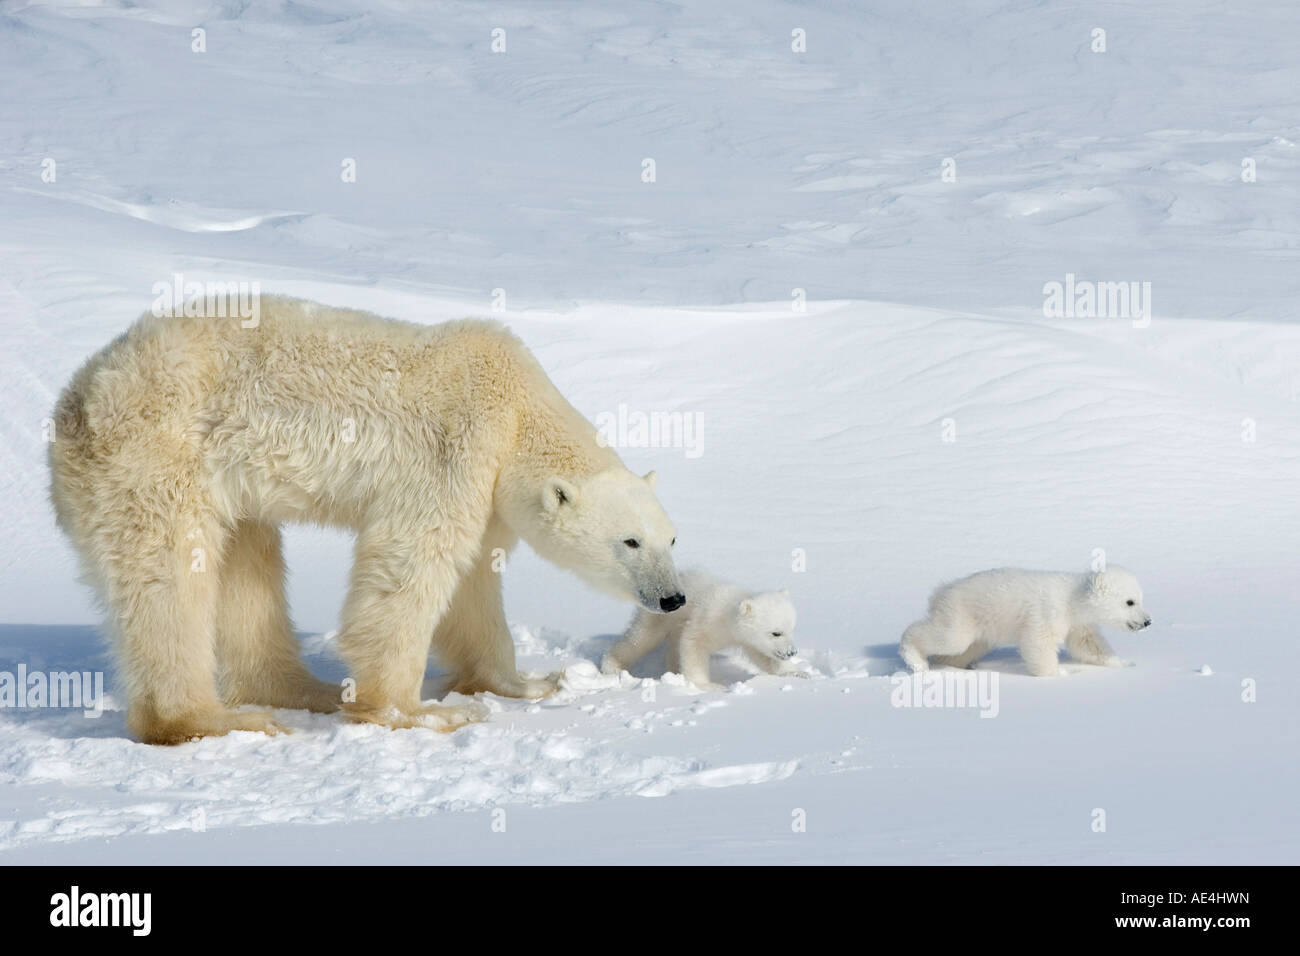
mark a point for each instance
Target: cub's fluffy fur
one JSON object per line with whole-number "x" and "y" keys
{"x": 717, "y": 615}
{"x": 1036, "y": 611}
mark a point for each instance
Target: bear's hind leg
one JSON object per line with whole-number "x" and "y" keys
{"x": 930, "y": 637}
{"x": 159, "y": 574}
{"x": 693, "y": 651}
{"x": 1086, "y": 645}
{"x": 257, "y": 655}
{"x": 968, "y": 657}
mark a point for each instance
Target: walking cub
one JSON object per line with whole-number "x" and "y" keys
{"x": 716, "y": 615}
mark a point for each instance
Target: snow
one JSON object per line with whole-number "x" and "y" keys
{"x": 1175, "y": 447}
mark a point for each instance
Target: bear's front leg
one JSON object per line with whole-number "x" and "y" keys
{"x": 1038, "y": 648}
{"x": 1086, "y": 645}
{"x": 400, "y": 582}
{"x": 472, "y": 639}
{"x": 772, "y": 666}
{"x": 693, "y": 651}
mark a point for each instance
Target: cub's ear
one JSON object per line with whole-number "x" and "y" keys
{"x": 746, "y": 608}
{"x": 651, "y": 478}
{"x": 558, "y": 493}
{"x": 1098, "y": 583}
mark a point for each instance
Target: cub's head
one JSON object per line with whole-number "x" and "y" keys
{"x": 1116, "y": 599}
{"x": 609, "y": 529}
{"x": 765, "y": 623}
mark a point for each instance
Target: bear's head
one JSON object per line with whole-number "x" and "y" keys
{"x": 765, "y": 623}
{"x": 609, "y": 529}
{"x": 1115, "y": 599}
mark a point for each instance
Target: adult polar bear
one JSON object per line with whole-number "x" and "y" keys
{"x": 182, "y": 445}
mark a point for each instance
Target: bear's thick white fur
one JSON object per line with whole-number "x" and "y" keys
{"x": 182, "y": 445}
{"x": 717, "y": 615}
{"x": 1037, "y": 611}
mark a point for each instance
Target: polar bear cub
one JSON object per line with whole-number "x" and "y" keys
{"x": 1037, "y": 611}
{"x": 717, "y": 615}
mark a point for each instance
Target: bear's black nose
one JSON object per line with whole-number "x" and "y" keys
{"x": 670, "y": 604}
{"x": 1147, "y": 622}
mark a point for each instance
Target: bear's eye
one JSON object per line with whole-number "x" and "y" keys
{"x": 632, "y": 542}
{"x": 776, "y": 633}
{"x": 1131, "y": 603}
{"x": 672, "y": 543}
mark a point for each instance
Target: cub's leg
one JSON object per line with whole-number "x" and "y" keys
{"x": 913, "y": 648}
{"x": 1086, "y": 645}
{"x": 257, "y": 654}
{"x": 472, "y": 640}
{"x": 404, "y": 575}
{"x": 1038, "y": 647}
{"x": 769, "y": 666}
{"x": 934, "y": 635}
{"x": 646, "y": 632}
{"x": 966, "y": 658}
{"x": 693, "y": 650}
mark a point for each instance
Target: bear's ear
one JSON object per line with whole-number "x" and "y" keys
{"x": 557, "y": 493}
{"x": 746, "y": 608}
{"x": 651, "y": 478}
{"x": 1098, "y": 583}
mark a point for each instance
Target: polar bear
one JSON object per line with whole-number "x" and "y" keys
{"x": 183, "y": 444}
{"x": 1038, "y": 611}
{"x": 717, "y": 615}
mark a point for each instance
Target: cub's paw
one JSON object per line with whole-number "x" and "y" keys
{"x": 1056, "y": 671}
{"x": 916, "y": 663}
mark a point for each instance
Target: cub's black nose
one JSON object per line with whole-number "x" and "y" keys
{"x": 1147, "y": 622}
{"x": 670, "y": 604}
